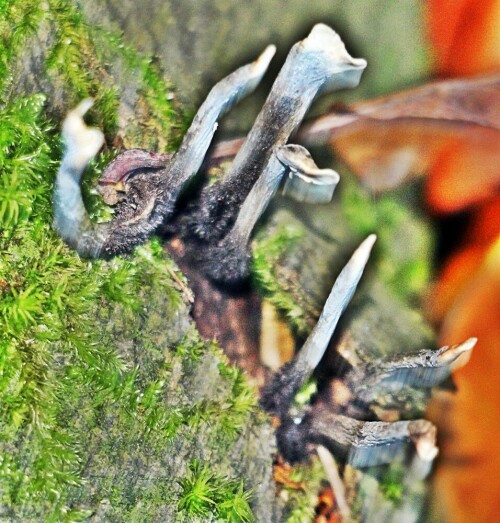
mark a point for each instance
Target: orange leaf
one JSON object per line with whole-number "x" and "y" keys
{"x": 282, "y": 473}
{"x": 465, "y": 35}
{"x": 451, "y": 127}
{"x": 467, "y": 480}
{"x": 453, "y": 278}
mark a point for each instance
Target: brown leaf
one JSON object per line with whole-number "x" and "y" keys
{"x": 450, "y": 128}
{"x": 281, "y": 474}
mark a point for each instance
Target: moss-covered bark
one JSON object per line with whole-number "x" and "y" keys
{"x": 111, "y": 407}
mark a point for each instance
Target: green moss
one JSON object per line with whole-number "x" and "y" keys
{"x": 301, "y": 502}
{"x": 392, "y": 483}
{"x": 306, "y": 393}
{"x": 205, "y": 494}
{"x": 241, "y": 402}
{"x": 160, "y": 124}
{"x": 18, "y": 21}
{"x": 87, "y": 391}
{"x": 404, "y": 239}
{"x": 267, "y": 253}
{"x": 81, "y": 61}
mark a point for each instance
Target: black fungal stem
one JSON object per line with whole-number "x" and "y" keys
{"x": 152, "y": 199}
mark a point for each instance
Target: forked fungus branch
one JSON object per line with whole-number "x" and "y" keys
{"x": 219, "y": 226}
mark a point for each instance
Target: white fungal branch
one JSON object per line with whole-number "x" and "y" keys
{"x": 81, "y": 144}
{"x": 278, "y": 394}
{"x": 153, "y": 201}
{"x": 332, "y": 473}
{"x": 340, "y": 296}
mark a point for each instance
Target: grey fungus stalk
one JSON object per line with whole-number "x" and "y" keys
{"x": 228, "y": 210}
{"x": 229, "y": 260}
{"x": 423, "y": 369}
{"x": 281, "y": 389}
{"x": 70, "y": 216}
{"x": 370, "y": 443}
{"x": 145, "y": 186}
{"x": 361, "y": 443}
{"x": 315, "y": 66}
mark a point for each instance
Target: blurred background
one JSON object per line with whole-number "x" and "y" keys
{"x": 406, "y": 44}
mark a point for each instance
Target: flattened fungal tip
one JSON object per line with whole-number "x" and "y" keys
{"x": 457, "y": 355}
{"x": 324, "y": 38}
{"x": 82, "y": 142}
{"x": 426, "y": 448}
{"x": 306, "y": 182}
{"x": 262, "y": 62}
{"x": 423, "y": 435}
{"x": 298, "y": 159}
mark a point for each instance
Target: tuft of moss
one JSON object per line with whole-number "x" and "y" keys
{"x": 392, "y": 483}
{"x": 267, "y": 252}
{"x": 90, "y": 413}
{"x": 302, "y": 502}
{"x": 205, "y": 494}
{"x": 405, "y": 266}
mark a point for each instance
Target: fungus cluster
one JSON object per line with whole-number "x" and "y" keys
{"x": 217, "y": 227}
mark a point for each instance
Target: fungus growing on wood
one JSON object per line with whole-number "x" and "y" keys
{"x": 217, "y": 229}
{"x": 221, "y": 222}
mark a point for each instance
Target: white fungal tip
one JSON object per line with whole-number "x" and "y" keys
{"x": 324, "y": 38}
{"x": 82, "y": 142}
{"x": 84, "y": 106}
{"x": 426, "y": 448}
{"x": 362, "y": 253}
{"x": 262, "y": 63}
{"x": 457, "y": 355}
{"x": 306, "y": 182}
{"x": 340, "y": 296}
{"x": 423, "y": 435}
{"x": 468, "y": 345}
{"x": 332, "y": 473}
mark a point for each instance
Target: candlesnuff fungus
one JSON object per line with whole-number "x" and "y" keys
{"x": 217, "y": 229}
{"x": 364, "y": 443}
{"x": 154, "y": 185}
{"x": 221, "y": 222}
{"x": 281, "y": 389}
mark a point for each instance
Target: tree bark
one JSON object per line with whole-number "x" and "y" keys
{"x": 130, "y": 468}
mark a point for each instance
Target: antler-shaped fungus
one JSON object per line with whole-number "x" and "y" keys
{"x": 228, "y": 210}
{"x": 220, "y": 227}
{"x": 148, "y": 204}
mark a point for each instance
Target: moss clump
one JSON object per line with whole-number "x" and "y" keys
{"x": 267, "y": 253}
{"x": 404, "y": 240}
{"x": 96, "y": 414}
{"x": 49, "y": 45}
{"x": 301, "y": 502}
{"x": 392, "y": 483}
{"x": 205, "y": 494}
